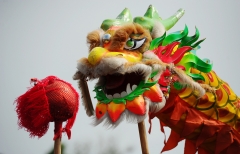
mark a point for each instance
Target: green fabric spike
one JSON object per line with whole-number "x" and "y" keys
{"x": 175, "y": 37}
{"x": 192, "y": 61}
{"x": 149, "y": 84}
{"x": 153, "y": 74}
{"x": 196, "y": 77}
{"x": 196, "y": 62}
{"x": 197, "y": 43}
{"x": 188, "y": 41}
{"x": 206, "y": 60}
{"x": 178, "y": 85}
{"x": 119, "y": 100}
{"x": 156, "y": 42}
{"x": 101, "y": 96}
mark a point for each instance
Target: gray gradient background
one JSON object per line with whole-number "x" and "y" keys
{"x": 41, "y": 38}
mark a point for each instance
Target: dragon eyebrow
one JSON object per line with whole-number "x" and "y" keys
{"x": 136, "y": 35}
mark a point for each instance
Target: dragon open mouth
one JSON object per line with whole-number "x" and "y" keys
{"x": 120, "y": 88}
{"x": 120, "y": 85}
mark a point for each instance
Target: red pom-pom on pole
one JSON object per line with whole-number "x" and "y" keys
{"x": 49, "y": 100}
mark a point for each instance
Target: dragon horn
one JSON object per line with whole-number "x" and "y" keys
{"x": 152, "y": 13}
{"x": 171, "y": 21}
{"x": 151, "y": 21}
{"x": 154, "y": 23}
{"x": 124, "y": 17}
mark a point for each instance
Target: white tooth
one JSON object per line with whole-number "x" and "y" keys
{"x": 117, "y": 95}
{"x": 128, "y": 89}
{"x": 109, "y": 96}
{"x": 123, "y": 94}
{"x": 134, "y": 87}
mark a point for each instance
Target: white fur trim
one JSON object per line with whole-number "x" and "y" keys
{"x": 158, "y": 30}
{"x": 150, "y": 55}
{"x": 144, "y": 69}
{"x": 101, "y": 33}
{"x": 129, "y": 116}
{"x": 160, "y": 69}
{"x": 115, "y": 65}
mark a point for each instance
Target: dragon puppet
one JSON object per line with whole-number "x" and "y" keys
{"x": 144, "y": 72}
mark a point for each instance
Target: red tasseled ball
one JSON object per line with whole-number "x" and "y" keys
{"x": 50, "y": 99}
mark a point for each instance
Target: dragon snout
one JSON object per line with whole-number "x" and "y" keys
{"x": 98, "y": 53}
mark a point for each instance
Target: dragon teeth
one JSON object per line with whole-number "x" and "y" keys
{"x": 124, "y": 93}
{"x": 134, "y": 87}
{"x": 109, "y": 96}
{"x": 117, "y": 95}
{"x": 129, "y": 90}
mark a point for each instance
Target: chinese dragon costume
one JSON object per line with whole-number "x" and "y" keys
{"x": 143, "y": 71}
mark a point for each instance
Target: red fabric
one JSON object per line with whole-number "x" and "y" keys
{"x": 232, "y": 148}
{"x": 162, "y": 130}
{"x": 203, "y": 134}
{"x": 190, "y": 147}
{"x": 166, "y": 55}
{"x": 224, "y": 138}
{"x": 33, "y": 111}
{"x": 50, "y": 99}
{"x": 150, "y": 123}
{"x": 207, "y": 131}
{"x": 172, "y": 141}
{"x": 202, "y": 151}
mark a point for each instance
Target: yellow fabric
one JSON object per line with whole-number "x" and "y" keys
{"x": 222, "y": 104}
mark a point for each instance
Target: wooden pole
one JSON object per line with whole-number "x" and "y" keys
{"x": 57, "y": 134}
{"x": 143, "y": 137}
{"x": 57, "y": 146}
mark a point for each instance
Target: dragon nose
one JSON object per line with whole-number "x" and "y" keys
{"x": 96, "y": 55}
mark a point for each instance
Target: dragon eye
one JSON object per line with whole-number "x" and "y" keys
{"x": 133, "y": 44}
{"x": 106, "y": 38}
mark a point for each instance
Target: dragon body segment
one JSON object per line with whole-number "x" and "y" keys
{"x": 219, "y": 102}
{"x": 222, "y": 104}
{"x": 209, "y": 122}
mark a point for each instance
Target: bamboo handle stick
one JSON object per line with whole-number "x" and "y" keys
{"x": 57, "y": 146}
{"x": 57, "y": 133}
{"x": 143, "y": 137}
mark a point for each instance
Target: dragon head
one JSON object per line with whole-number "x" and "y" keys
{"x": 126, "y": 70}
